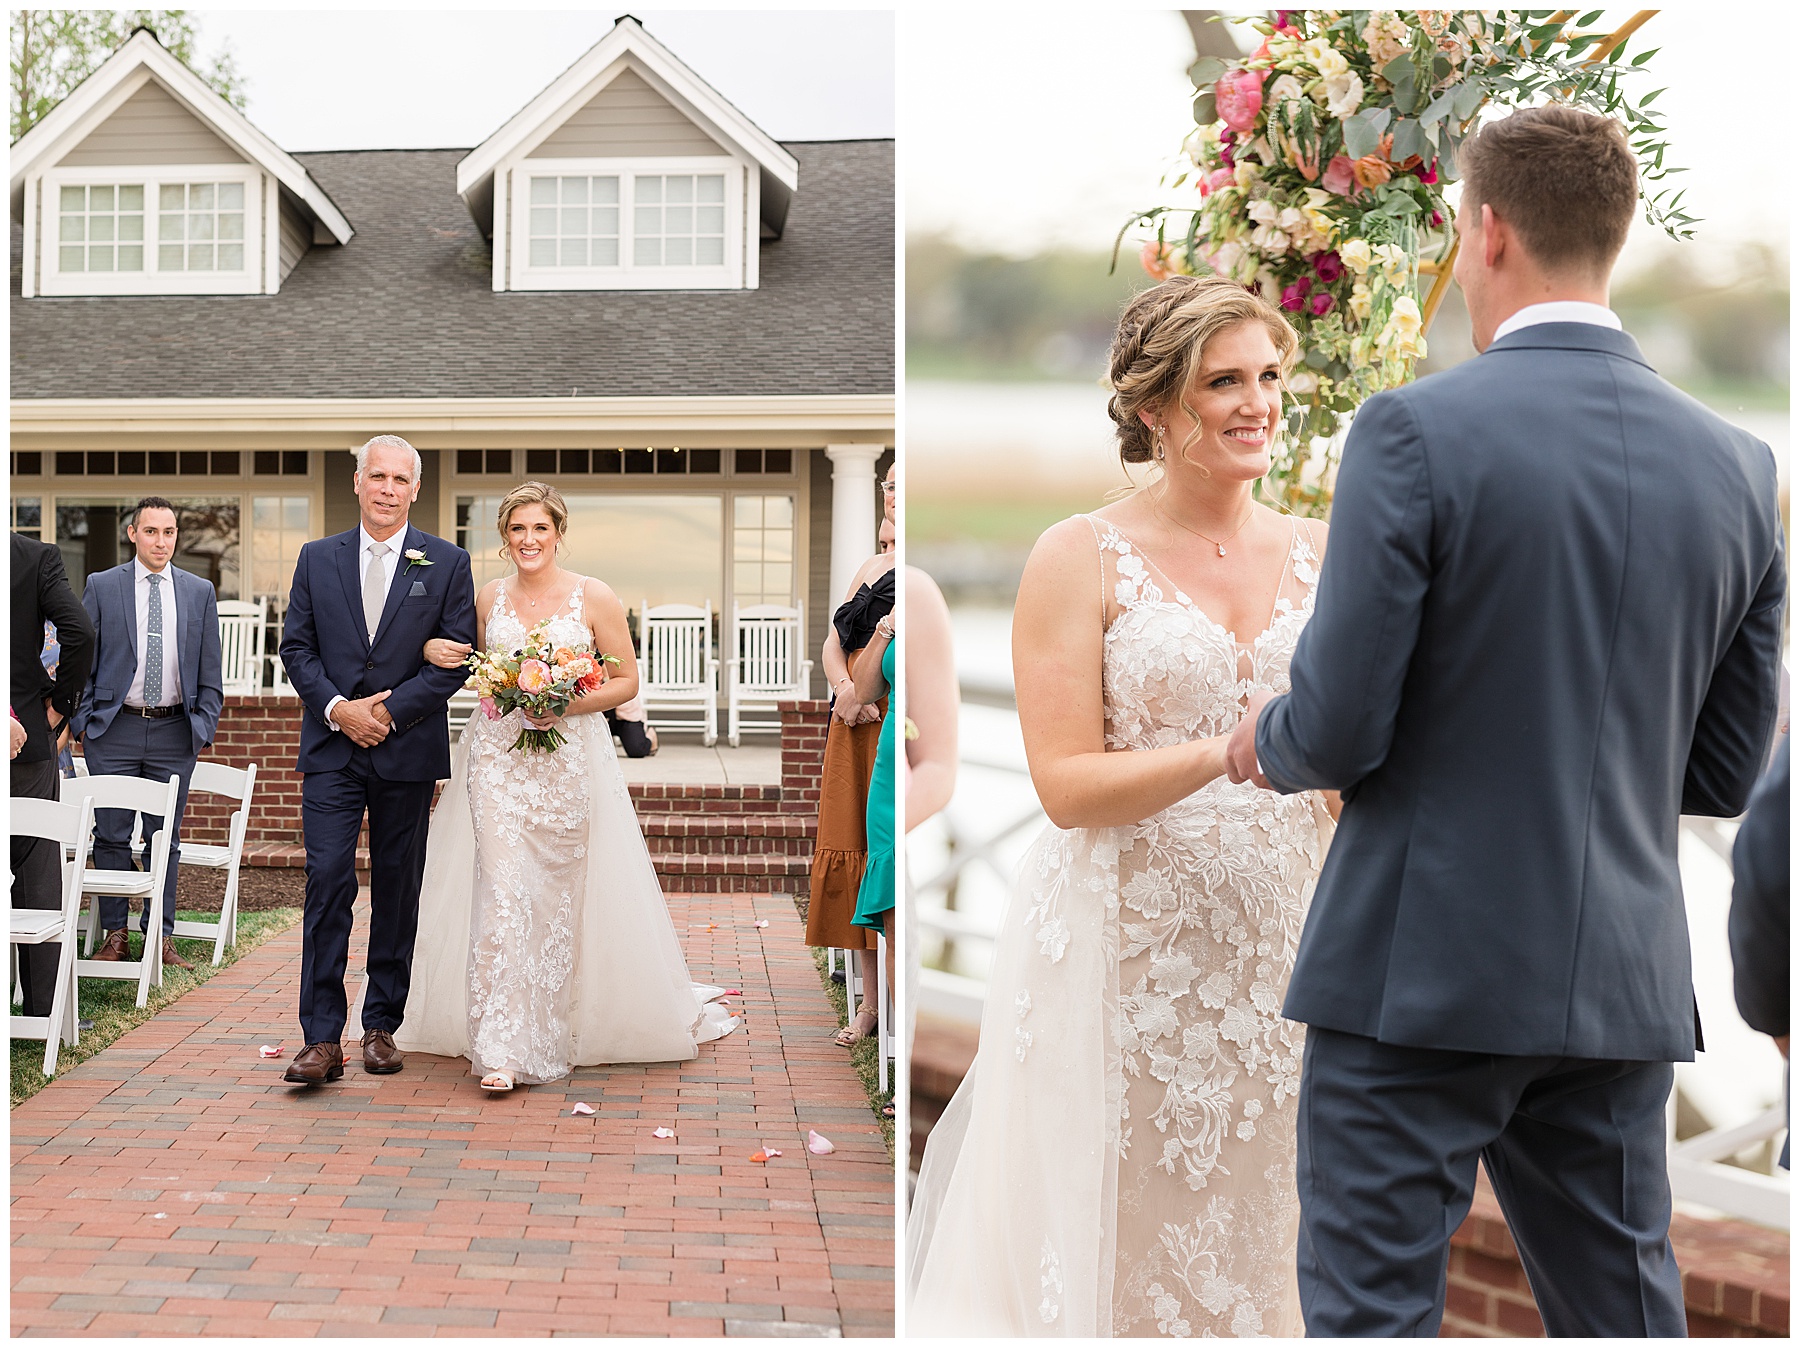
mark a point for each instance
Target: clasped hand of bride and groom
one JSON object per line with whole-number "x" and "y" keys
{"x": 521, "y": 924}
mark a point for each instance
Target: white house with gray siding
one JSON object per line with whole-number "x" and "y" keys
{"x": 629, "y": 290}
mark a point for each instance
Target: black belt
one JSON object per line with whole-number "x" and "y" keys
{"x": 153, "y": 713}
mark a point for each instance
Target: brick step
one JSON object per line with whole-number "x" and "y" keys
{"x": 674, "y": 798}
{"x": 682, "y": 873}
{"x": 729, "y": 835}
{"x": 785, "y": 851}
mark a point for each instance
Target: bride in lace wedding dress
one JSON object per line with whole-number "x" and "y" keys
{"x": 1120, "y": 1159}
{"x": 544, "y": 941}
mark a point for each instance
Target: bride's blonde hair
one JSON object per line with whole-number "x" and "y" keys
{"x": 533, "y": 493}
{"x": 1160, "y": 337}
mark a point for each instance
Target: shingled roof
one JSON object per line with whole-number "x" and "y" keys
{"x": 406, "y": 309}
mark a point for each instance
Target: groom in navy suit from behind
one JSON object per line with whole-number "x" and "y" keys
{"x": 376, "y": 738}
{"x": 1549, "y": 625}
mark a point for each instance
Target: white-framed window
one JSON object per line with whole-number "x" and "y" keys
{"x": 628, "y": 224}
{"x": 153, "y": 230}
{"x": 762, "y": 549}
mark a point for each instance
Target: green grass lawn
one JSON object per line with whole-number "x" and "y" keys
{"x": 862, "y": 1057}
{"x": 933, "y": 518}
{"x": 112, "y": 1004}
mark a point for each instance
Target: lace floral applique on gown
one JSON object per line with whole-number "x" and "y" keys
{"x": 531, "y": 862}
{"x": 544, "y": 940}
{"x": 1127, "y": 1129}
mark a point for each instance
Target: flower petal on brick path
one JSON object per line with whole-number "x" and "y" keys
{"x": 763, "y": 922}
{"x": 662, "y": 1132}
{"x": 818, "y": 1144}
{"x": 581, "y": 1107}
{"x": 270, "y": 1050}
{"x": 766, "y": 1154}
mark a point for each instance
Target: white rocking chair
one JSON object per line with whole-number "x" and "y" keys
{"x": 241, "y": 624}
{"x": 677, "y": 671}
{"x": 766, "y": 667}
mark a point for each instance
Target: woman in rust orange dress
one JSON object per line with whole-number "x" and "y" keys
{"x": 840, "y": 849}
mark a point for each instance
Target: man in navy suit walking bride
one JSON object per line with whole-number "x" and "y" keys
{"x": 375, "y": 739}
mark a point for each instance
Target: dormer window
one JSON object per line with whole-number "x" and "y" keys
{"x": 643, "y": 225}
{"x": 629, "y": 172}
{"x": 144, "y": 181}
{"x": 174, "y": 231}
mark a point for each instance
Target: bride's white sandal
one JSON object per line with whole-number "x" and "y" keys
{"x": 497, "y": 1082}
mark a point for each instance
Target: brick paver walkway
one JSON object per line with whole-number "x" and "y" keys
{"x": 173, "y": 1184}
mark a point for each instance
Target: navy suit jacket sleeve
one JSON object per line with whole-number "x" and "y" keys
{"x": 1336, "y": 724}
{"x": 74, "y": 633}
{"x": 300, "y": 640}
{"x": 430, "y": 688}
{"x": 90, "y": 605}
{"x": 1737, "y": 720}
{"x": 1759, "y": 904}
{"x": 209, "y": 697}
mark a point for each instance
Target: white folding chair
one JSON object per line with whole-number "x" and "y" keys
{"x": 237, "y": 783}
{"x": 677, "y": 671}
{"x": 884, "y": 1014}
{"x": 278, "y": 679}
{"x": 70, "y": 825}
{"x": 766, "y": 667}
{"x": 143, "y": 797}
{"x": 241, "y": 624}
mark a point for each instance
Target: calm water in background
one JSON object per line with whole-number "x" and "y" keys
{"x": 968, "y": 438}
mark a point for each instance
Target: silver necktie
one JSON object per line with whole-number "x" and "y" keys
{"x": 153, "y": 646}
{"x": 374, "y": 588}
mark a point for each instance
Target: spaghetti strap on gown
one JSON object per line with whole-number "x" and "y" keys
{"x": 544, "y": 941}
{"x": 1119, "y": 1160}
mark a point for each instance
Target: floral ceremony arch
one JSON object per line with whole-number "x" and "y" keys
{"x": 1322, "y": 160}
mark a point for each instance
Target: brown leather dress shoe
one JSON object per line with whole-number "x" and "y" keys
{"x": 379, "y": 1054}
{"x": 113, "y": 947}
{"x": 316, "y": 1064}
{"x": 173, "y": 956}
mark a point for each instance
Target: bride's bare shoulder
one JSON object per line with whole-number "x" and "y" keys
{"x": 1063, "y": 553}
{"x": 598, "y": 592}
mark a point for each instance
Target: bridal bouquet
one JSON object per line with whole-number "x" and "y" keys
{"x": 540, "y": 680}
{"x": 1321, "y": 162}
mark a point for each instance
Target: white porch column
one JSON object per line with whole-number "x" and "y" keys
{"x": 853, "y": 516}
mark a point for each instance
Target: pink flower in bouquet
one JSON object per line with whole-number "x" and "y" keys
{"x": 1155, "y": 260}
{"x": 1437, "y": 218}
{"x": 1212, "y": 182}
{"x": 1427, "y": 173}
{"x": 1239, "y": 97}
{"x": 534, "y": 677}
{"x": 1329, "y": 266}
{"x": 1294, "y": 297}
{"x": 1340, "y": 176}
{"x": 1322, "y": 304}
{"x": 490, "y": 709}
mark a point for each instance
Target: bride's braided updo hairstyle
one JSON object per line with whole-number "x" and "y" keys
{"x": 1161, "y": 335}
{"x": 534, "y": 493}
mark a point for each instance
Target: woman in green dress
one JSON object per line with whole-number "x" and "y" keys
{"x": 874, "y": 673}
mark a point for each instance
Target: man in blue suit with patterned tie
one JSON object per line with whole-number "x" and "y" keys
{"x": 152, "y": 700}
{"x": 375, "y": 740}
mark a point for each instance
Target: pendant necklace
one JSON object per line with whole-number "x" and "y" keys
{"x": 1216, "y": 542}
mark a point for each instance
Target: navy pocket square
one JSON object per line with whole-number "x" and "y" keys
{"x": 417, "y": 589}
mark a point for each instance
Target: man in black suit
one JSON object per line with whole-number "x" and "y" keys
{"x": 42, "y": 707}
{"x": 1549, "y": 624}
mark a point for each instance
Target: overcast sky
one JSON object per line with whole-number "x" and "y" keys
{"x": 1079, "y": 114}
{"x": 447, "y": 78}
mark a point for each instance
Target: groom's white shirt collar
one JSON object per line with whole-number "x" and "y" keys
{"x": 1560, "y": 311}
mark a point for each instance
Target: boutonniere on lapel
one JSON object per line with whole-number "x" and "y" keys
{"x": 416, "y": 557}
